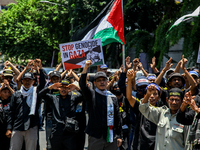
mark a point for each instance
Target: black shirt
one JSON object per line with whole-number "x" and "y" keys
{"x": 187, "y": 117}
{"x": 97, "y": 110}
{"x": 4, "y": 110}
{"x": 145, "y": 131}
{"x": 13, "y": 86}
{"x": 19, "y": 118}
{"x": 124, "y": 110}
{"x": 61, "y": 108}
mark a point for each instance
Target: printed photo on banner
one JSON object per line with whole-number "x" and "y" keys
{"x": 74, "y": 54}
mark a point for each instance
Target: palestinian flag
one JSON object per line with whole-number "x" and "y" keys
{"x": 196, "y": 13}
{"x": 108, "y": 26}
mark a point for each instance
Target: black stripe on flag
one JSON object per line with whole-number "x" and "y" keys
{"x": 79, "y": 34}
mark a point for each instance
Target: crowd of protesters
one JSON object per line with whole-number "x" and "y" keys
{"x": 131, "y": 109}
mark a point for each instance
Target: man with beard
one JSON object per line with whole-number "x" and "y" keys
{"x": 124, "y": 112}
{"x": 169, "y": 134}
{"x": 144, "y": 137}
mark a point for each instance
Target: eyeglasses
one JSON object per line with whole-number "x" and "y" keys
{"x": 8, "y": 77}
{"x": 176, "y": 100}
{"x": 101, "y": 80}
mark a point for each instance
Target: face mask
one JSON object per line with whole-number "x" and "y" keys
{"x": 118, "y": 92}
{"x": 141, "y": 91}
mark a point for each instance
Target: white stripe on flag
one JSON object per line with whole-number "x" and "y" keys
{"x": 194, "y": 14}
{"x": 103, "y": 24}
{"x": 90, "y": 34}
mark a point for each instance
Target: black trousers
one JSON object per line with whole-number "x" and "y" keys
{"x": 124, "y": 145}
{"x": 4, "y": 142}
{"x": 64, "y": 142}
{"x": 80, "y": 140}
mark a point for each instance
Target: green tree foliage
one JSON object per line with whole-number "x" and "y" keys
{"x": 31, "y": 29}
{"x": 189, "y": 30}
{"x": 22, "y": 31}
{"x": 141, "y": 18}
{"x": 147, "y": 22}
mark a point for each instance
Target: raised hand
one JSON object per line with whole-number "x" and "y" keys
{"x": 193, "y": 105}
{"x": 153, "y": 64}
{"x": 140, "y": 65}
{"x": 38, "y": 63}
{"x": 128, "y": 63}
{"x": 130, "y": 74}
{"x": 72, "y": 87}
{"x": 183, "y": 62}
{"x": 30, "y": 64}
{"x": 5, "y": 82}
{"x": 151, "y": 89}
{"x": 69, "y": 72}
{"x": 120, "y": 69}
{"x": 116, "y": 77}
{"x": 136, "y": 62}
{"x": 7, "y": 63}
{"x": 55, "y": 86}
{"x": 186, "y": 99}
{"x": 168, "y": 64}
{"x": 88, "y": 63}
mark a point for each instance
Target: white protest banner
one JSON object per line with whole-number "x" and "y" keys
{"x": 74, "y": 54}
{"x": 198, "y": 57}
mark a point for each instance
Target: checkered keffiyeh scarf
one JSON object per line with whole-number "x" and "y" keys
{"x": 194, "y": 134}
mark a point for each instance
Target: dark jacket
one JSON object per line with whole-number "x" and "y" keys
{"x": 187, "y": 117}
{"x": 122, "y": 83}
{"x": 19, "y": 118}
{"x": 61, "y": 108}
{"x": 124, "y": 110}
{"x": 145, "y": 131}
{"x": 4, "y": 110}
{"x": 97, "y": 110}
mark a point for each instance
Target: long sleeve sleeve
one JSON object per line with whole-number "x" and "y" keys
{"x": 186, "y": 117}
{"x": 86, "y": 91}
{"x": 118, "y": 121}
{"x": 44, "y": 94}
{"x": 150, "y": 112}
{"x": 121, "y": 83}
{"x": 11, "y": 114}
{"x": 41, "y": 80}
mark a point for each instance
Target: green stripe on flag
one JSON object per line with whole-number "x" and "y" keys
{"x": 108, "y": 135}
{"x": 108, "y": 35}
{"x": 98, "y": 63}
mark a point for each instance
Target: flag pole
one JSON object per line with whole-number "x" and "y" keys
{"x": 123, "y": 46}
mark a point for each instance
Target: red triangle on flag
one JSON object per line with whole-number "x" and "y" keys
{"x": 71, "y": 66}
{"x": 116, "y": 19}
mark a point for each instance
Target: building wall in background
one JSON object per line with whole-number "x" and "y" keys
{"x": 6, "y": 2}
